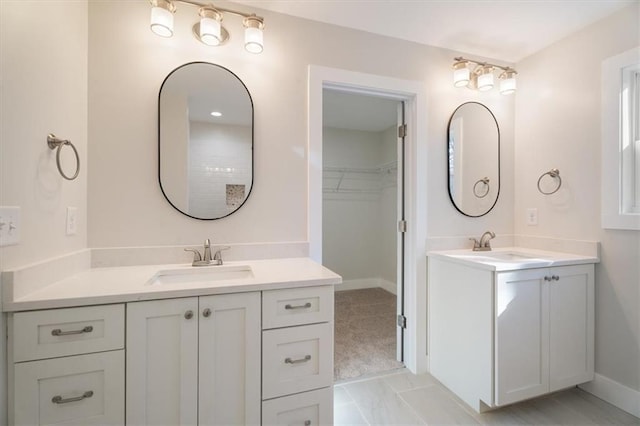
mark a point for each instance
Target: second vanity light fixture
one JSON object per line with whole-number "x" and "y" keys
{"x": 208, "y": 29}
{"x": 481, "y": 77}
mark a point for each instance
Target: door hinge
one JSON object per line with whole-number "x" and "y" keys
{"x": 402, "y": 131}
{"x": 402, "y": 226}
{"x": 402, "y": 321}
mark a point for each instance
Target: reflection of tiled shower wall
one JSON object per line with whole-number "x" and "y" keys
{"x": 219, "y": 168}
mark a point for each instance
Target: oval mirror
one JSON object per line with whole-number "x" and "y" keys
{"x": 474, "y": 159}
{"x": 205, "y": 140}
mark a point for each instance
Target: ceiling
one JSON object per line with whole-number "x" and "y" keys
{"x": 507, "y": 30}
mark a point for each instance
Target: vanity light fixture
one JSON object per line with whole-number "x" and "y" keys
{"x": 482, "y": 76}
{"x": 208, "y": 29}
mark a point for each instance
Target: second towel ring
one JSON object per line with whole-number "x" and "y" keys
{"x": 554, "y": 173}
{"x": 484, "y": 180}
{"x": 53, "y": 142}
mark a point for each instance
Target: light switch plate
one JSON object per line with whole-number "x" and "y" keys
{"x": 72, "y": 220}
{"x": 10, "y": 225}
{"x": 532, "y": 217}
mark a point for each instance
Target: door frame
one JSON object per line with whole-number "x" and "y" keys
{"x": 413, "y": 93}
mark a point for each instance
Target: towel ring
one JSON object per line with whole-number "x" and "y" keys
{"x": 484, "y": 180}
{"x": 53, "y": 142}
{"x": 554, "y": 173}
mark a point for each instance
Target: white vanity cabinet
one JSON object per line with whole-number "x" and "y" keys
{"x": 502, "y": 337}
{"x": 66, "y": 366}
{"x": 194, "y": 360}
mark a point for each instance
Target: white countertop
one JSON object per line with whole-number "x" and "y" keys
{"x": 512, "y": 258}
{"x": 132, "y": 283}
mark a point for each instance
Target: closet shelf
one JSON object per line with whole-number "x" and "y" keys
{"x": 359, "y": 180}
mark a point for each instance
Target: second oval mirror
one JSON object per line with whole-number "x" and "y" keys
{"x": 473, "y": 159}
{"x": 205, "y": 119}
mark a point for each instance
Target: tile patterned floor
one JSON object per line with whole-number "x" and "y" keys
{"x": 402, "y": 398}
{"x": 365, "y": 333}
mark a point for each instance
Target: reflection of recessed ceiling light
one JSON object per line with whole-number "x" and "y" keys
{"x": 216, "y": 114}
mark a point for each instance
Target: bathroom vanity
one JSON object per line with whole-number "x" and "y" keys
{"x": 244, "y": 343}
{"x": 510, "y": 324}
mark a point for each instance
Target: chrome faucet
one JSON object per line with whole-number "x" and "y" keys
{"x": 206, "y": 260}
{"x": 484, "y": 243}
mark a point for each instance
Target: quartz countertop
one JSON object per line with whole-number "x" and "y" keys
{"x": 134, "y": 283}
{"x": 512, "y": 258}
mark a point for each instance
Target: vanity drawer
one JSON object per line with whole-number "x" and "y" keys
{"x": 296, "y": 359}
{"x": 61, "y": 332}
{"x": 309, "y": 408}
{"x": 76, "y": 390}
{"x": 296, "y": 306}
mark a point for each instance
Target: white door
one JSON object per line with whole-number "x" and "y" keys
{"x": 229, "y": 359}
{"x": 521, "y": 335}
{"x": 571, "y": 326}
{"x": 162, "y": 362}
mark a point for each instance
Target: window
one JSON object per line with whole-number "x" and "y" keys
{"x": 621, "y": 141}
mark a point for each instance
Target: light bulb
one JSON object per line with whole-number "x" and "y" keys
{"x": 210, "y": 28}
{"x": 253, "y": 35}
{"x": 461, "y": 74}
{"x": 485, "y": 80}
{"x": 508, "y": 82}
{"x": 162, "y": 18}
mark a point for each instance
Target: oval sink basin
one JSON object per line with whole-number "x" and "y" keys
{"x": 201, "y": 275}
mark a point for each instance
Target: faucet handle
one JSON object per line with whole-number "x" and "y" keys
{"x": 218, "y": 254}
{"x": 196, "y": 254}
{"x": 476, "y": 243}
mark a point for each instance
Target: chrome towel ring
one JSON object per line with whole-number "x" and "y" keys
{"x": 555, "y": 174}
{"x": 487, "y": 188}
{"x": 53, "y": 142}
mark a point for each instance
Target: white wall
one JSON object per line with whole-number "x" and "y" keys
{"x": 43, "y": 90}
{"x": 128, "y": 63}
{"x": 558, "y": 126}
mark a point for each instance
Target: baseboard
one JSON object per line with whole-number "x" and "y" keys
{"x": 361, "y": 283}
{"x": 615, "y": 393}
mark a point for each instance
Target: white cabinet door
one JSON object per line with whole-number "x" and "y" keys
{"x": 229, "y": 361}
{"x": 162, "y": 362}
{"x": 521, "y": 335}
{"x": 571, "y": 326}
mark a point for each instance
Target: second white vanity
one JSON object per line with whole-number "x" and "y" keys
{"x": 244, "y": 343}
{"x": 510, "y": 324}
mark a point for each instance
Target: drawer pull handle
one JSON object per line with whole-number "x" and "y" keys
{"x": 305, "y": 306}
{"x": 307, "y": 423}
{"x": 58, "y": 332}
{"x": 297, "y": 361}
{"x": 60, "y": 400}
{"x": 555, "y": 278}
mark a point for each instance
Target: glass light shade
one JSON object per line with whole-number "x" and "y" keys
{"x": 508, "y": 85}
{"x": 210, "y": 31}
{"x": 485, "y": 81}
{"x": 161, "y": 21}
{"x": 461, "y": 77}
{"x": 253, "y": 39}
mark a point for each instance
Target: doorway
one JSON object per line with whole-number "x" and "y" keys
{"x": 362, "y": 206}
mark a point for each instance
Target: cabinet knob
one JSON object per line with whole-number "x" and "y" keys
{"x": 189, "y": 314}
{"x": 206, "y": 313}
{"x": 547, "y": 278}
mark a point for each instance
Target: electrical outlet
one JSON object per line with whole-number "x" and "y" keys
{"x": 10, "y": 225}
{"x": 532, "y": 217}
{"x": 72, "y": 220}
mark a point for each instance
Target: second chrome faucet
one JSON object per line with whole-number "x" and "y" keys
{"x": 206, "y": 259}
{"x": 484, "y": 243}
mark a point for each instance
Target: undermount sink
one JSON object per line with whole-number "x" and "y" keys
{"x": 503, "y": 256}
{"x": 205, "y": 274}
